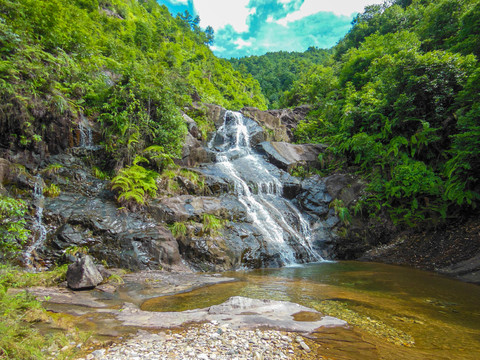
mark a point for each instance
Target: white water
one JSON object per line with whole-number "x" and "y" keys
{"x": 86, "y": 138}
{"x": 260, "y": 191}
{"x": 40, "y": 229}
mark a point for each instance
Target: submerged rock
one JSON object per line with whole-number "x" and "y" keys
{"x": 83, "y": 274}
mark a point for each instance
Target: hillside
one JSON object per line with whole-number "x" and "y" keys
{"x": 126, "y": 65}
{"x": 399, "y": 105}
{"x": 277, "y": 71}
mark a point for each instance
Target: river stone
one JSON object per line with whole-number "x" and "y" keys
{"x": 288, "y": 156}
{"x": 83, "y": 274}
{"x": 238, "y": 312}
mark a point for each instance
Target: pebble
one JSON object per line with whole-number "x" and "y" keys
{"x": 204, "y": 342}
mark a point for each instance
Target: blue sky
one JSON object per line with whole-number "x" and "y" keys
{"x": 254, "y": 27}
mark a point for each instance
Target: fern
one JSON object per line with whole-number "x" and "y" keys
{"x": 212, "y": 225}
{"x": 178, "y": 229}
{"x": 135, "y": 183}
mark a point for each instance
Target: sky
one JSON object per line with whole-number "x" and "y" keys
{"x": 254, "y": 27}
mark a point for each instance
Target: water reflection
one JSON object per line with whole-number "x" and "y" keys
{"x": 389, "y": 305}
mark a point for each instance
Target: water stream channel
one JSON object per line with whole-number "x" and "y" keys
{"x": 395, "y": 312}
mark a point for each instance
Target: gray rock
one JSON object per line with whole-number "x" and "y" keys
{"x": 83, "y": 274}
{"x": 125, "y": 240}
{"x": 193, "y": 152}
{"x": 467, "y": 270}
{"x": 288, "y": 156}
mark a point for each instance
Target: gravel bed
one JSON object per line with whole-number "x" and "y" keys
{"x": 209, "y": 341}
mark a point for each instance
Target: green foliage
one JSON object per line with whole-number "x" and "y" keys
{"x": 100, "y": 174}
{"x": 20, "y": 310}
{"x": 135, "y": 183}
{"x": 51, "y": 191}
{"x": 400, "y": 104}
{"x": 212, "y": 225}
{"x": 12, "y": 225}
{"x": 277, "y": 71}
{"x": 178, "y": 229}
{"x": 74, "y": 250}
{"x": 128, "y": 65}
{"x": 341, "y": 211}
{"x": 19, "y": 278}
{"x": 52, "y": 169}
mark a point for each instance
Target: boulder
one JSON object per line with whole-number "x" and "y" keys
{"x": 280, "y": 124}
{"x": 215, "y": 113}
{"x": 83, "y": 274}
{"x": 187, "y": 207}
{"x": 343, "y": 187}
{"x": 192, "y": 127}
{"x": 193, "y": 152}
{"x": 288, "y": 156}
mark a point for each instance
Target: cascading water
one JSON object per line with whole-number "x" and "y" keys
{"x": 40, "y": 229}
{"x": 86, "y": 138}
{"x": 280, "y": 223}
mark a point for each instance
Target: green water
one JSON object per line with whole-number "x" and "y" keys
{"x": 396, "y": 312}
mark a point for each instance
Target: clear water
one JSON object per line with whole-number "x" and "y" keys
{"x": 441, "y": 316}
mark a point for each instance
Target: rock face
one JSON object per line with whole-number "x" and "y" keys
{"x": 83, "y": 274}
{"x": 288, "y": 156}
{"x": 121, "y": 239}
{"x": 280, "y": 124}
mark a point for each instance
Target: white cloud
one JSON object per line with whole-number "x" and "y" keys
{"x": 338, "y": 7}
{"x": 217, "y": 48}
{"x": 220, "y": 13}
{"x": 242, "y": 43}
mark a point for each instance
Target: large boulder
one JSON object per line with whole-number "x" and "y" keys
{"x": 83, "y": 274}
{"x": 280, "y": 124}
{"x": 288, "y": 156}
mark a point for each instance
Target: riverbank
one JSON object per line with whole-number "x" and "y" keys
{"x": 209, "y": 341}
{"x": 452, "y": 250}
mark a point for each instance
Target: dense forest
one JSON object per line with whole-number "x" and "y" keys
{"x": 128, "y": 65}
{"x": 277, "y": 71}
{"x": 398, "y": 103}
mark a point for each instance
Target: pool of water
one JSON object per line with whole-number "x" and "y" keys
{"x": 395, "y": 312}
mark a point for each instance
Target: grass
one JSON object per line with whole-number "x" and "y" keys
{"x": 20, "y": 311}
{"x": 51, "y": 191}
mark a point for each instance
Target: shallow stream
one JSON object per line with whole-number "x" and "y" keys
{"x": 395, "y": 312}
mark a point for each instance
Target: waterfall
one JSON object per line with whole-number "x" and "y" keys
{"x": 86, "y": 138}
{"x": 280, "y": 223}
{"x": 39, "y": 229}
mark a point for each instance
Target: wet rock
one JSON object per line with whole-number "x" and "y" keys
{"x": 187, "y": 207}
{"x": 276, "y": 131}
{"x": 83, "y": 274}
{"x": 121, "y": 239}
{"x": 215, "y": 113}
{"x": 344, "y": 187}
{"x": 288, "y": 156}
{"x": 193, "y": 152}
{"x": 12, "y": 174}
{"x": 238, "y": 312}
